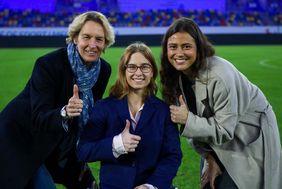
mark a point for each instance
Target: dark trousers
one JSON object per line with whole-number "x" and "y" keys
{"x": 41, "y": 180}
{"x": 71, "y": 173}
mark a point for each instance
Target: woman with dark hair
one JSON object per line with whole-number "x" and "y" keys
{"x": 131, "y": 132}
{"x": 226, "y": 118}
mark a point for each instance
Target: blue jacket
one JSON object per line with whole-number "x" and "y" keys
{"x": 31, "y": 125}
{"x": 157, "y": 157}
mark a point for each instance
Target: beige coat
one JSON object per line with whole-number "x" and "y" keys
{"x": 242, "y": 129}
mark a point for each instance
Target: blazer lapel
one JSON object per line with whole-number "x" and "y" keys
{"x": 68, "y": 75}
{"x": 147, "y": 113}
{"x": 203, "y": 107}
{"x": 123, "y": 112}
{"x": 200, "y": 94}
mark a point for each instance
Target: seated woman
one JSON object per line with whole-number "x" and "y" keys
{"x": 131, "y": 132}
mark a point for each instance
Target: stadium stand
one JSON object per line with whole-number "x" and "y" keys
{"x": 261, "y": 16}
{"x": 141, "y": 18}
{"x": 236, "y": 13}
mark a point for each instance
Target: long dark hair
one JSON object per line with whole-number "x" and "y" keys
{"x": 168, "y": 74}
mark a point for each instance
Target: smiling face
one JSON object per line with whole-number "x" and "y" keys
{"x": 90, "y": 41}
{"x": 138, "y": 80}
{"x": 181, "y": 51}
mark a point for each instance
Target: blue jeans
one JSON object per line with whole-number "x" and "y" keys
{"x": 42, "y": 179}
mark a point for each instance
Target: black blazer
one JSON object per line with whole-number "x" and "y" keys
{"x": 31, "y": 126}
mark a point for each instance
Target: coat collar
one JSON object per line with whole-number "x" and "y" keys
{"x": 200, "y": 93}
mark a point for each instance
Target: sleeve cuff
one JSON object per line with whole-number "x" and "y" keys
{"x": 150, "y": 186}
{"x": 118, "y": 148}
{"x": 64, "y": 119}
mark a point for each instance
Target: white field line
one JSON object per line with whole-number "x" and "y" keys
{"x": 265, "y": 63}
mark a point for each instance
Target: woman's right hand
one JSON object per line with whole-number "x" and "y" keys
{"x": 75, "y": 104}
{"x": 179, "y": 114}
{"x": 130, "y": 141}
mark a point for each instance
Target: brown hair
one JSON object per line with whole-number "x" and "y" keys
{"x": 121, "y": 87}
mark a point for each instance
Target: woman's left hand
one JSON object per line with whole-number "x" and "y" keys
{"x": 179, "y": 114}
{"x": 212, "y": 172}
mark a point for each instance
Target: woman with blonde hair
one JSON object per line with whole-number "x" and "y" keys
{"x": 39, "y": 128}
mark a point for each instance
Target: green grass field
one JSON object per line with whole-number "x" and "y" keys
{"x": 261, "y": 64}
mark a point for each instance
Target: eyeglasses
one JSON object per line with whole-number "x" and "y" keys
{"x": 132, "y": 68}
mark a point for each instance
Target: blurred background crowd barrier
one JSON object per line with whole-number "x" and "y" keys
{"x": 253, "y": 21}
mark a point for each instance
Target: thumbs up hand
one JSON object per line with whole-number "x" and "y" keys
{"x": 75, "y": 91}
{"x": 130, "y": 141}
{"x": 179, "y": 114}
{"x": 75, "y": 104}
